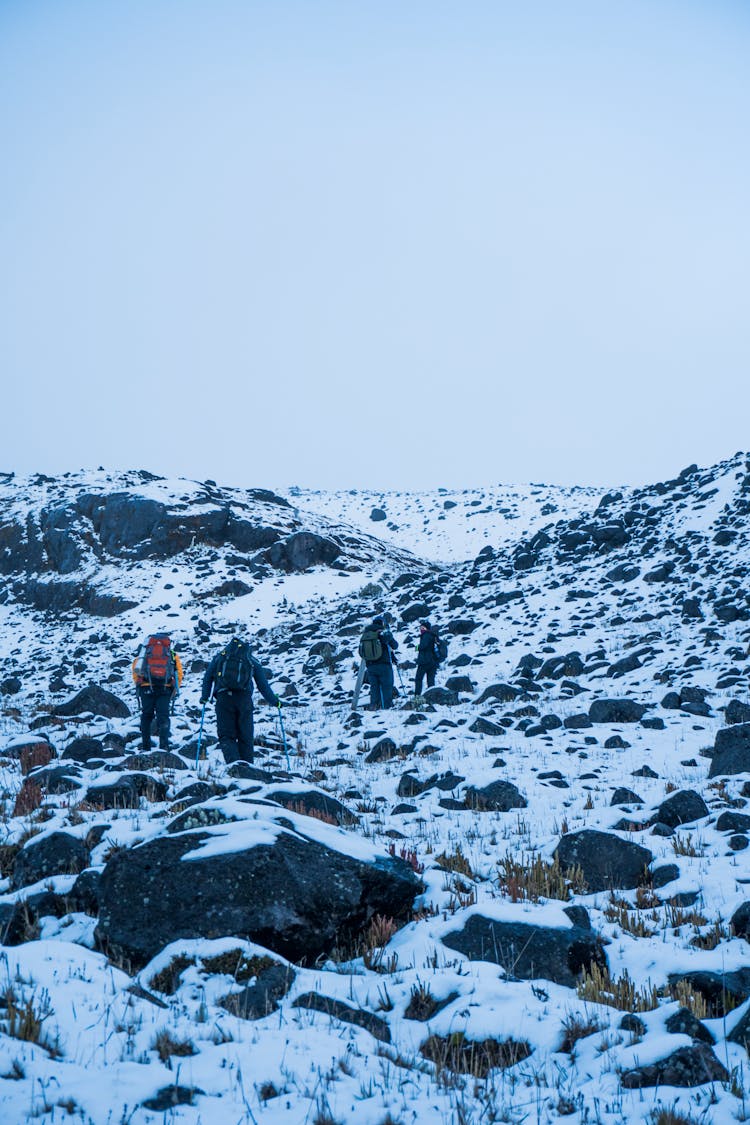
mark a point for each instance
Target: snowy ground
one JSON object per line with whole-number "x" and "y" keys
{"x": 97, "y": 1060}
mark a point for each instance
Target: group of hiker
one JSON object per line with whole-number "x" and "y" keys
{"x": 233, "y": 672}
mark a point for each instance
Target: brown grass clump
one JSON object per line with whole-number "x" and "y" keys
{"x": 618, "y": 910}
{"x": 25, "y": 1020}
{"x": 166, "y": 1045}
{"x": 29, "y": 798}
{"x": 476, "y": 1057}
{"x": 577, "y": 1027}
{"x": 167, "y": 980}
{"x": 455, "y": 861}
{"x": 688, "y": 997}
{"x": 235, "y": 963}
{"x": 531, "y": 878}
{"x": 598, "y": 987}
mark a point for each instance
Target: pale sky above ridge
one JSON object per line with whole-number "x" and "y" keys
{"x": 375, "y": 245}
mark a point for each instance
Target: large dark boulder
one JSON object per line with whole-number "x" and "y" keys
{"x": 731, "y": 751}
{"x": 741, "y": 921}
{"x": 441, "y": 696}
{"x": 737, "y": 712}
{"x": 606, "y": 860}
{"x": 681, "y": 808}
{"x": 503, "y": 693}
{"x": 687, "y": 1066}
{"x": 126, "y": 792}
{"x": 312, "y": 802}
{"x": 527, "y": 951}
{"x": 498, "y": 796}
{"x": 616, "y": 711}
{"x": 59, "y": 853}
{"x": 253, "y": 879}
{"x": 302, "y": 550}
{"x": 97, "y": 700}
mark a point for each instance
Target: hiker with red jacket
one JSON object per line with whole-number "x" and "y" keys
{"x": 157, "y": 673}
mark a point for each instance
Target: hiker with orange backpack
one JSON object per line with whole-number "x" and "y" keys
{"x": 157, "y": 673}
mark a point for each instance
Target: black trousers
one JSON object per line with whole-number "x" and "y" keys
{"x": 234, "y": 725}
{"x": 155, "y": 702}
{"x": 423, "y": 670}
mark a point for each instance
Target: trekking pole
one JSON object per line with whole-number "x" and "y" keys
{"x": 400, "y": 680}
{"x": 200, "y": 735}
{"x": 283, "y": 737}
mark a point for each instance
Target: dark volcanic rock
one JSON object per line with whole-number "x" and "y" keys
{"x": 616, "y": 711}
{"x": 97, "y": 700}
{"x": 687, "y": 1066}
{"x": 126, "y": 792}
{"x": 294, "y": 895}
{"x": 625, "y": 797}
{"x": 681, "y": 808}
{"x": 498, "y": 796}
{"x": 154, "y": 760}
{"x": 737, "y": 712}
{"x": 301, "y": 551}
{"x": 731, "y": 751}
{"x": 441, "y": 696}
{"x": 314, "y": 1002}
{"x": 683, "y": 1022}
{"x": 741, "y": 921}
{"x": 503, "y": 693}
{"x": 527, "y": 951}
{"x": 383, "y": 750}
{"x": 606, "y": 860}
{"x": 83, "y": 749}
{"x": 261, "y": 998}
{"x": 56, "y": 854}
{"x": 487, "y": 727}
{"x": 311, "y": 802}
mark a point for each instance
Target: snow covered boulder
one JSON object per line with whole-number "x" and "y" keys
{"x": 31, "y": 750}
{"x": 731, "y": 751}
{"x": 606, "y": 860}
{"x": 616, "y": 711}
{"x": 97, "y": 700}
{"x": 687, "y": 1066}
{"x": 286, "y": 881}
{"x": 680, "y": 808}
{"x": 498, "y": 796}
{"x": 58, "y": 853}
{"x": 558, "y": 951}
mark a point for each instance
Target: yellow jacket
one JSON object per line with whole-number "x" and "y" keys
{"x": 142, "y": 681}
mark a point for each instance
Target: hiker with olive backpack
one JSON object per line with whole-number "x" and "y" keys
{"x": 157, "y": 674}
{"x": 229, "y": 678}
{"x": 377, "y": 648}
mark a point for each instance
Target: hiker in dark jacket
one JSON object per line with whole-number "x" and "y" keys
{"x": 428, "y": 657}
{"x": 229, "y": 678}
{"x": 377, "y": 649}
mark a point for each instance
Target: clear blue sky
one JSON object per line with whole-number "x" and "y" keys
{"x": 380, "y": 244}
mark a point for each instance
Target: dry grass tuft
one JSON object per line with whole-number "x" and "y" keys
{"x": 476, "y": 1057}
{"x": 166, "y": 1046}
{"x": 530, "y": 878}
{"x": 167, "y": 980}
{"x": 598, "y": 987}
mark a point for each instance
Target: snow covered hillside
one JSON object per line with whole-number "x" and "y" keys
{"x": 450, "y": 525}
{"x": 522, "y": 897}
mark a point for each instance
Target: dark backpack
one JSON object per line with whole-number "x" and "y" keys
{"x": 441, "y": 649}
{"x": 371, "y": 646}
{"x": 156, "y": 662}
{"x": 235, "y": 670}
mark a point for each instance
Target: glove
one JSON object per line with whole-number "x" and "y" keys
{"x": 204, "y": 701}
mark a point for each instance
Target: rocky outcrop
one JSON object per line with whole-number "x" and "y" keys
{"x": 527, "y": 951}
{"x": 294, "y": 895}
{"x": 605, "y": 860}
